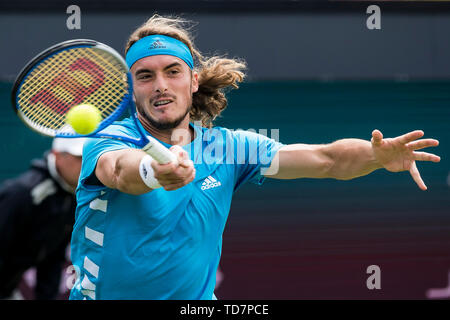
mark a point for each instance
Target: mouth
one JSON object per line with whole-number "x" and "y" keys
{"x": 161, "y": 103}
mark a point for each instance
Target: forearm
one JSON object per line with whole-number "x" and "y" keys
{"x": 120, "y": 170}
{"x": 350, "y": 158}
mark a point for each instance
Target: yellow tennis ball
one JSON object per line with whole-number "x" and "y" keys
{"x": 84, "y": 118}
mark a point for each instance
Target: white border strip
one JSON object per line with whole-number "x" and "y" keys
{"x": 94, "y": 236}
{"x": 87, "y": 284}
{"x": 98, "y": 204}
{"x": 91, "y": 267}
{"x": 89, "y": 293}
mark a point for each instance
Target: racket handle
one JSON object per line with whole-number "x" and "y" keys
{"x": 159, "y": 152}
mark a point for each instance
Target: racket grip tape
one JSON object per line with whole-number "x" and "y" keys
{"x": 159, "y": 152}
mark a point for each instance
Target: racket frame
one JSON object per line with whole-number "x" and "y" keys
{"x": 126, "y": 102}
{"x": 148, "y": 144}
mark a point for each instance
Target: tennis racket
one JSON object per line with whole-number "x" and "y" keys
{"x": 77, "y": 72}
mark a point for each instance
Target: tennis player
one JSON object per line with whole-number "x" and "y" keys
{"x": 149, "y": 231}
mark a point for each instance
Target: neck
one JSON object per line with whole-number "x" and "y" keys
{"x": 181, "y": 135}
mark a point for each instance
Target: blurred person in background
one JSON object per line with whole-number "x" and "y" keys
{"x": 37, "y": 212}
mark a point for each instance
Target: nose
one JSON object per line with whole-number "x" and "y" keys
{"x": 160, "y": 84}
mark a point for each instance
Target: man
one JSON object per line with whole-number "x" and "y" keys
{"x": 149, "y": 231}
{"x": 36, "y": 219}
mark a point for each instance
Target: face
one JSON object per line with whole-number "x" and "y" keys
{"x": 163, "y": 88}
{"x": 68, "y": 167}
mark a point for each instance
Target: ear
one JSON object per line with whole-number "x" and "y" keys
{"x": 194, "y": 82}
{"x": 57, "y": 156}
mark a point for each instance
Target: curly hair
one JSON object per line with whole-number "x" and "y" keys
{"x": 215, "y": 74}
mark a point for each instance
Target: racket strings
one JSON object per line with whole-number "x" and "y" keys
{"x": 69, "y": 78}
{"x": 76, "y": 89}
{"x": 46, "y": 89}
{"x": 48, "y": 93}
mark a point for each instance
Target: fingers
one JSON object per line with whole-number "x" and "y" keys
{"x": 377, "y": 137}
{"x": 175, "y": 186}
{"x": 179, "y": 151}
{"x": 186, "y": 163}
{"x": 411, "y": 136}
{"x": 423, "y": 143}
{"x": 416, "y": 176}
{"x": 177, "y": 175}
{"x": 173, "y": 176}
{"x": 425, "y": 156}
{"x": 182, "y": 155}
{"x": 163, "y": 169}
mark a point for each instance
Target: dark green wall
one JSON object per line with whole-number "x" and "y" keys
{"x": 19, "y": 144}
{"x": 313, "y": 239}
{"x": 318, "y": 112}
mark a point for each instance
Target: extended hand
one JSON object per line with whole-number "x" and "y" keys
{"x": 171, "y": 176}
{"x": 398, "y": 154}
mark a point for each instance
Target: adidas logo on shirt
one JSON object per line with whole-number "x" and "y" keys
{"x": 210, "y": 183}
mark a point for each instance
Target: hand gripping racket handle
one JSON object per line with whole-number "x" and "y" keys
{"x": 159, "y": 152}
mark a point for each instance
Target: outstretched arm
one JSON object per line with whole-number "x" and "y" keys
{"x": 120, "y": 170}
{"x": 350, "y": 158}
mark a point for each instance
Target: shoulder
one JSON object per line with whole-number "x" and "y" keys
{"x": 125, "y": 126}
{"x": 218, "y": 137}
{"x": 237, "y": 135}
{"x": 215, "y": 131}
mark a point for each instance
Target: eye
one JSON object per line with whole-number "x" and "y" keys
{"x": 144, "y": 77}
{"x": 174, "y": 72}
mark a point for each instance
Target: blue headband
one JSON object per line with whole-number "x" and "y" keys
{"x": 159, "y": 45}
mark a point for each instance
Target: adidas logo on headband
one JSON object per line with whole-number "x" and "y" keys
{"x": 157, "y": 45}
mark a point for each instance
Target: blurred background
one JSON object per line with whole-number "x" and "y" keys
{"x": 317, "y": 74}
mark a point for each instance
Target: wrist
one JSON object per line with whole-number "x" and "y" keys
{"x": 374, "y": 161}
{"x": 147, "y": 174}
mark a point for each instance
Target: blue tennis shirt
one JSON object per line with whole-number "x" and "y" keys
{"x": 161, "y": 244}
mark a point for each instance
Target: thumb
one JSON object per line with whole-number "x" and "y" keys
{"x": 377, "y": 137}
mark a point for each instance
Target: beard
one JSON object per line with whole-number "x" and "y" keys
{"x": 161, "y": 125}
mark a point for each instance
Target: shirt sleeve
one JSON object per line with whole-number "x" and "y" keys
{"x": 253, "y": 154}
